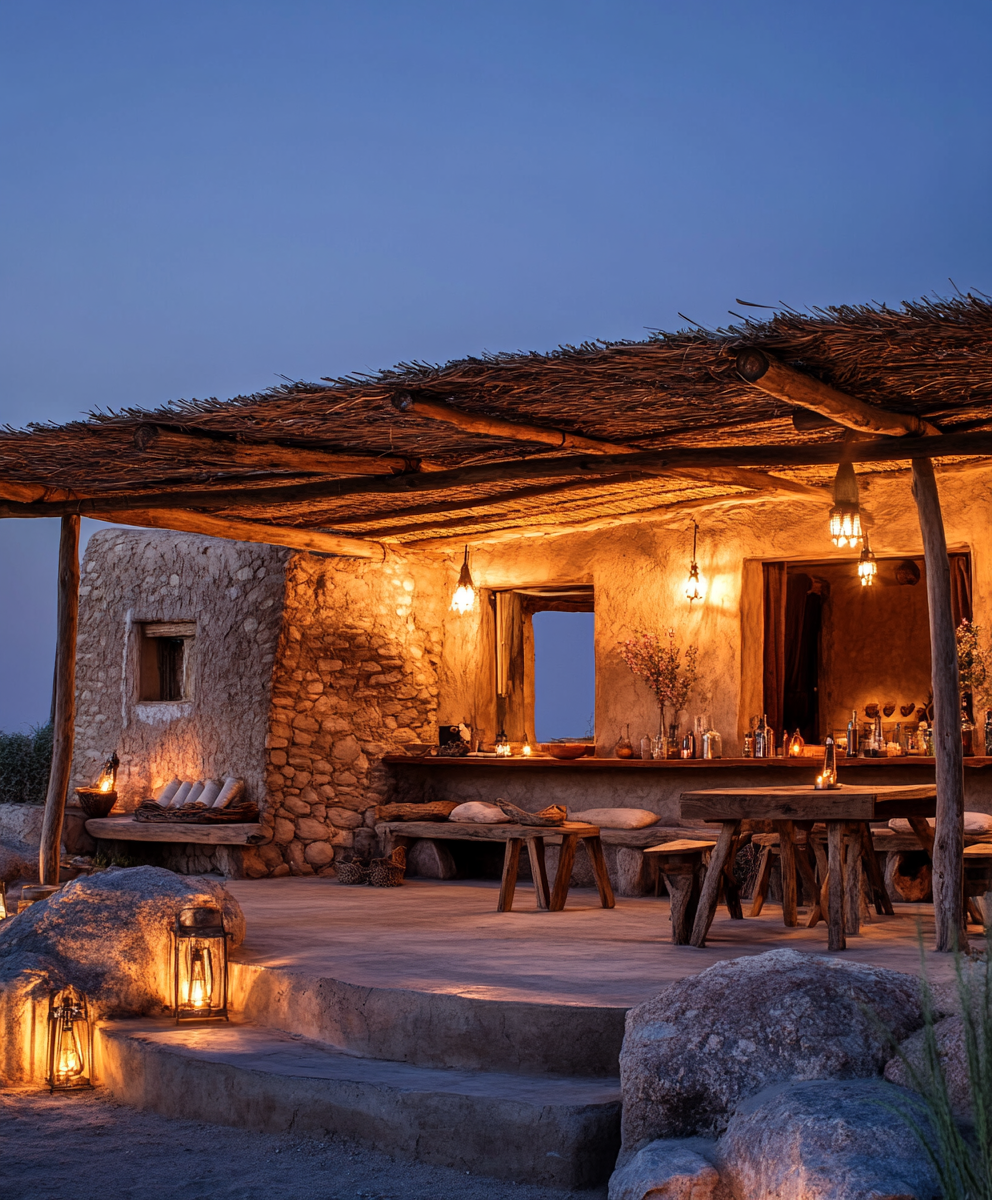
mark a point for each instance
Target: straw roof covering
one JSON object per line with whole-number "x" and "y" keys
{"x": 929, "y": 358}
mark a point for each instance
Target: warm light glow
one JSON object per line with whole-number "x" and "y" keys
{"x": 70, "y": 1064}
{"x": 199, "y": 985}
{"x": 867, "y": 567}
{"x": 796, "y": 745}
{"x": 526, "y": 752}
{"x": 695, "y": 588}
{"x": 845, "y": 526}
{"x": 463, "y": 600}
{"x": 107, "y": 779}
{"x": 69, "y": 1042}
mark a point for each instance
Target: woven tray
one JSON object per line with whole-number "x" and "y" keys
{"x": 196, "y": 814}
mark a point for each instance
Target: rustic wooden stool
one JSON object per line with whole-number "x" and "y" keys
{"x": 681, "y": 863}
{"x": 571, "y": 833}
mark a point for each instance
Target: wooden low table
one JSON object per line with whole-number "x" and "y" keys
{"x": 395, "y": 833}
{"x": 849, "y": 804}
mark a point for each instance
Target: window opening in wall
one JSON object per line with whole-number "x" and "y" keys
{"x": 545, "y": 663}
{"x": 165, "y": 659}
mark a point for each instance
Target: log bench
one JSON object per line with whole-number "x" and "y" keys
{"x": 127, "y": 829}
{"x": 567, "y": 836}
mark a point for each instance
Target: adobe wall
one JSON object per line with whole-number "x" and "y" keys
{"x": 355, "y": 678}
{"x": 234, "y": 592}
{"x": 639, "y": 573}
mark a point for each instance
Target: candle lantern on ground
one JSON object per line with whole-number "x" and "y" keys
{"x": 200, "y": 965}
{"x": 70, "y": 1042}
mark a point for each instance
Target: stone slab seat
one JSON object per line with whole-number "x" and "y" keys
{"x": 127, "y": 829}
{"x": 559, "y": 1132}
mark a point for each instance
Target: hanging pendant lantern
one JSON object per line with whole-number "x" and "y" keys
{"x": 463, "y": 600}
{"x": 867, "y": 567}
{"x": 845, "y": 516}
{"x": 200, "y": 965}
{"x": 695, "y": 588}
{"x": 70, "y": 1042}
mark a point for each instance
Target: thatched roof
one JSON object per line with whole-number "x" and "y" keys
{"x": 931, "y": 358}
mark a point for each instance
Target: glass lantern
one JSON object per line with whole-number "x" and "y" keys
{"x": 70, "y": 1042}
{"x": 503, "y": 749}
{"x": 797, "y": 744}
{"x": 200, "y": 965}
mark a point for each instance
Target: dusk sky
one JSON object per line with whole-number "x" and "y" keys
{"x": 197, "y": 199}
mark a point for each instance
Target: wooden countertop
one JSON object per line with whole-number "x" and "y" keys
{"x": 519, "y": 763}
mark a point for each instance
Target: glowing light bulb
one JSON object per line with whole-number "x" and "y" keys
{"x": 463, "y": 600}
{"x": 198, "y": 995}
{"x": 867, "y": 567}
{"x": 70, "y": 1063}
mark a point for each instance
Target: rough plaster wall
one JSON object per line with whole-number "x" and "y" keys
{"x": 355, "y": 678}
{"x": 233, "y": 591}
{"x": 639, "y": 574}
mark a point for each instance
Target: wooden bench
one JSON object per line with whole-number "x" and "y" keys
{"x": 401, "y": 833}
{"x": 127, "y": 829}
{"x": 681, "y": 862}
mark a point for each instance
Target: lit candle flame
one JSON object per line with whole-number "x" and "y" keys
{"x": 70, "y": 1061}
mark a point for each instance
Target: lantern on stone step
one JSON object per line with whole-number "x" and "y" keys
{"x": 70, "y": 1042}
{"x": 200, "y": 965}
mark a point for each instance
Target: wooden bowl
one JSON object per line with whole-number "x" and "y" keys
{"x": 567, "y": 749}
{"x": 95, "y": 803}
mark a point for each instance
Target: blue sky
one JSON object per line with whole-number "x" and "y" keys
{"x": 196, "y": 198}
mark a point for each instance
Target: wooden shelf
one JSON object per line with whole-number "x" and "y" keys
{"x": 670, "y": 764}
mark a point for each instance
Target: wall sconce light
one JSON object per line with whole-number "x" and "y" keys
{"x": 845, "y": 516}
{"x": 200, "y": 965}
{"x": 867, "y": 567}
{"x": 70, "y": 1042}
{"x": 107, "y": 779}
{"x": 463, "y": 600}
{"x": 695, "y": 588}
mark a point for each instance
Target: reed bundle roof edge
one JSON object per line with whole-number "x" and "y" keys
{"x": 931, "y": 358}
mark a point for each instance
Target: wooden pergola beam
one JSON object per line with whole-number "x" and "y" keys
{"x": 762, "y": 370}
{"x": 520, "y": 431}
{"x": 184, "y": 521}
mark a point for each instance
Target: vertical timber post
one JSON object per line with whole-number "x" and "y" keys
{"x": 65, "y": 702}
{"x": 948, "y": 848}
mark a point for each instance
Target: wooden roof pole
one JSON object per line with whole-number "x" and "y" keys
{"x": 49, "y": 852}
{"x": 762, "y": 370}
{"x": 948, "y": 848}
{"x": 184, "y": 521}
{"x": 519, "y": 431}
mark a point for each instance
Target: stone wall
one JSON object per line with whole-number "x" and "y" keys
{"x": 355, "y": 678}
{"x": 233, "y": 591}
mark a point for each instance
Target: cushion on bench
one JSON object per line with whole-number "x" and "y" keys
{"x": 615, "y": 818}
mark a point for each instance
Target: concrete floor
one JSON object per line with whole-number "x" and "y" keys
{"x": 447, "y": 937}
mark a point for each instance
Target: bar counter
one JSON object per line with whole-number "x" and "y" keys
{"x": 656, "y": 785}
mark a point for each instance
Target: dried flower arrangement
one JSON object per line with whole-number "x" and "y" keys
{"x": 974, "y": 664}
{"x": 668, "y": 671}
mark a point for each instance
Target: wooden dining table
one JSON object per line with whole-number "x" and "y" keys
{"x": 847, "y": 808}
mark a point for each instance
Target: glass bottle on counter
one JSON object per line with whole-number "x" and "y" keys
{"x": 988, "y": 731}
{"x": 712, "y": 744}
{"x": 853, "y": 735}
{"x": 645, "y": 747}
{"x": 623, "y": 748}
{"x": 829, "y": 760}
{"x": 689, "y": 745}
{"x": 748, "y": 750}
{"x": 759, "y": 739}
{"x": 967, "y": 733}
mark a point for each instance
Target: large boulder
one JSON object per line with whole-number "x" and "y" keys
{"x": 950, "y": 1041}
{"x": 17, "y": 861}
{"x": 676, "y": 1169}
{"x": 110, "y": 936}
{"x": 829, "y": 1140}
{"x": 694, "y": 1052}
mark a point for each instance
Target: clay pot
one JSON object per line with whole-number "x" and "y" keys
{"x": 95, "y": 803}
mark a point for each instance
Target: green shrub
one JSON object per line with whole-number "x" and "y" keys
{"x": 25, "y": 760}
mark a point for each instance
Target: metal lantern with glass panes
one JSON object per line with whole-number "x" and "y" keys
{"x": 867, "y": 567}
{"x": 70, "y": 1042}
{"x": 463, "y": 600}
{"x": 503, "y": 748}
{"x": 845, "y": 516}
{"x": 200, "y": 965}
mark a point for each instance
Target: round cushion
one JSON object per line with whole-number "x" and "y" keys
{"x": 479, "y": 813}
{"x": 616, "y": 818}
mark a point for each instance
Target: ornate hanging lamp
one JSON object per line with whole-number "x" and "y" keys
{"x": 695, "y": 588}
{"x": 463, "y": 600}
{"x": 845, "y": 516}
{"x": 867, "y": 567}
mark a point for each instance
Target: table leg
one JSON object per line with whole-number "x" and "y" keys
{"x": 594, "y": 848}
{"x": 835, "y": 876}
{"x": 682, "y": 877}
{"x": 535, "y": 852}
{"x": 731, "y": 892}
{"x": 924, "y": 834}
{"x": 852, "y": 885}
{"x": 511, "y": 863}
{"x": 563, "y": 876}
{"x": 711, "y": 883}
{"x": 883, "y": 905}
{"x": 761, "y": 883}
{"x": 787, "y": 853}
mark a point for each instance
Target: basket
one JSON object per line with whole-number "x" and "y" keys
{"x": 352, "y": 872}
{"x": 96, "y": 803}
{"x": 388, "y": 872}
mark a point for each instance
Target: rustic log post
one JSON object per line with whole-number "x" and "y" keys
{"x": 948, "y": 848}
{"x": 65, "y": 702}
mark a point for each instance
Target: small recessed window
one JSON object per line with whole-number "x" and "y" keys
{"x": 165, "y": 660}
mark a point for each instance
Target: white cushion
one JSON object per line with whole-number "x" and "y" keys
{"x": 211, "y": 790}
{"x": 616, "y": 818}
{"x": 165, "y": 795}
{"x": 232, "y": 790}
{"x": 194, "y": 792}
{"x": 179, "y": 799}
{"x": 974, "y": 822}
{"x": 480, "y": 813}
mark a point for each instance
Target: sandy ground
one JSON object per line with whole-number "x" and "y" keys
{"x": 86, "y": 1147}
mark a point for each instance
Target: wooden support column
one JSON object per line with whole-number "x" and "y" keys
{"x": 65, "y": 701}
{"x": 948, "y": 848}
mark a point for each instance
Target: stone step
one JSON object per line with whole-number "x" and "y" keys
{"x": 433, "y": 1029}
{"x": 560, "y": 1132}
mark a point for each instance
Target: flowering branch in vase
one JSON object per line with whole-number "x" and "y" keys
{"x": 668, "y": 670}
